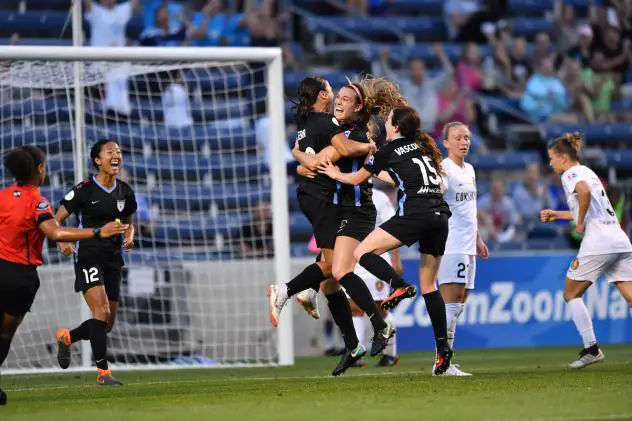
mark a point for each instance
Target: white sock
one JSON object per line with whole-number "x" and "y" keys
{"x": 358, "y": 324}
{"x": 583, "y": 322}
{"x": 452, "y": 313}
{"x": 391, "y": 347}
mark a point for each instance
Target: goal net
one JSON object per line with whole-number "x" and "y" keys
{"x": 202, "y": 135}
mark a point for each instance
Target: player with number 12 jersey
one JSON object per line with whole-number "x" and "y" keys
{"x": 458, "y": 266}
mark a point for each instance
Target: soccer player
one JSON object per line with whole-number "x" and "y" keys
{"x": 413, "y": 159}
{"x": 318, "y": 129}
{"x": 605, "y": 249}
{"x": 457, "y": 271}
{"x": 98, "y": 262}
{"x": 25, "y": 218}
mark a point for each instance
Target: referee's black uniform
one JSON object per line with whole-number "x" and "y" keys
{"x": 316, "y": 195}
{"x": 422, "y": 214}
{"x": 98, "y": 261}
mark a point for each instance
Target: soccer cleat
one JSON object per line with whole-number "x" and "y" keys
{"x": 104, "y": 378}
{"x": 387, "y": 361}
{"x": 588, "y": 356}
{"x": 409, "y": 291}
{"x": 278, "y": 299}
{"x": 63, "y": 347}
{"x": 349, "y": 358}
{"x": 309, "y": 300}
{"x": 334, "y": 352}
{"x": 380, "y": 339}
{"x": 3, "y": 398}
{"x": 455, "y": 371}
{"x": 442, "y": 360}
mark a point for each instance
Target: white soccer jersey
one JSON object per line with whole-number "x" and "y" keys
{"x": 603, "y": 234}
{"x": 383, "y": 206}
{"x": 460, "y": 195}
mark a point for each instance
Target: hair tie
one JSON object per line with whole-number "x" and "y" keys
{"x": 357, "y": 91}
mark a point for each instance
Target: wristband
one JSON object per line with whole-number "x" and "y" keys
{"x": 97, "y": 233}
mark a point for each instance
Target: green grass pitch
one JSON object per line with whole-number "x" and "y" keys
{"x": 516, "y": 385}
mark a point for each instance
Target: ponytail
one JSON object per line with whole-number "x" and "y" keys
{"x": 308, "y": 91}
{"x": 22, "y": 162}
{"x": 428, "y": 146}
{"x": 570, "y": 144}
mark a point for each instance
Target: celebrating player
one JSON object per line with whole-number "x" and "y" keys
{"x": 605, "y": 249}
{"x": 25, "y": 218}
{"x": 458, "y": 266}
{"x": 98, "y": 262}
{"x": 317, "y": 197}
{"x": 413, "y": 159}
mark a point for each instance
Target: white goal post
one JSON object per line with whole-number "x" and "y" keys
{"x": 209, "y": 174}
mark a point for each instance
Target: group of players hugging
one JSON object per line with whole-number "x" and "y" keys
{"x": 436, "y": 208}
{"x": 357, "y": 269}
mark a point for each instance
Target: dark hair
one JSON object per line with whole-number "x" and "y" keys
{"x": 308, "y": 91}
{"x": 22, "y": 162}
{"x": 96, "y": 150}
{"x": 570, "y": 144}
{"x": 407, "y": 120}
{"x": 361, "y": 117}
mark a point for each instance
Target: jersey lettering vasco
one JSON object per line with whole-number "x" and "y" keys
{"x": 22, "y": 209}
{"x": 460, "y": 196}
{"x": 603, "y": 234}
{"x": 95, "y": 206}
{"x": 346, "y": 194}
{"x": 314, "y": 134}
{"x": 414, "y": 174}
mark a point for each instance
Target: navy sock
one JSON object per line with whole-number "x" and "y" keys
{"x": 310, "y": 277}
{"x": 81, "y": 332}
{"x": 98, "y": 341}
{"x": 341, "y": 313}
{"x": 382, "y": 270}
{"x": 436, "y": 310}
{"x": 360, "y": 294}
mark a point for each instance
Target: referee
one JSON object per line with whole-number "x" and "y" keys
{"x": 98, "y": 261}
{"x": 25, "y": 218}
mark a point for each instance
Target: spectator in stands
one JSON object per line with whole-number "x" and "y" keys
{"x": 602, "y": 88}
{"x": 215, "y": 27}
{"x": 256, "y": 238}
{"x": 565, "y": 31}
{"x": 498, "y": 73}
{"x": 457, "y": 13}
{"x": 420, "y": 89}
{"x": 175, "y": 12}
{"x": 469, "y": 70}
{"x": 583, "y": 50}
{"x": 366, "y": 7}
{"x": 162, "y": 34}
{"x": 117, "y": 104}
{"x": 176, "y": 105}
{"x": 532, "y": 195}
{"x": 453, "y": 104}
{"x": 616, "y": 53}
{"x": 579, "y": 90}
{"x": 497, "y": 213}
{"x": 108, "y": 21}
{"x": 521, "y": 69}
{"x": 543, "y": 48}
{"x": 545, "y": 97}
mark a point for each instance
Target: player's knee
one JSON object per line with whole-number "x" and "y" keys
{"x": 330, "y": 286}
{"x": 103, "y": 313}
{"x": 339, "y": 271}
{"x": 358, "y": 253}
{"x": 570, "y": 295}
{"x": 110, "y": 325}
{"x": 325, "y": 267}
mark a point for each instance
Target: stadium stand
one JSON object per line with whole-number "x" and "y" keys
{"x": 323, "y": 37}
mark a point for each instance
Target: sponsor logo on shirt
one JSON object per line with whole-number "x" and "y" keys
{"x": 17, "y": 193}
{"x": 70, "y": 195}
{"x": 42, "y": 206}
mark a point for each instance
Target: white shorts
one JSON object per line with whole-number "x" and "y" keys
{"x": 380, "y": 290}
{"x": 614, "y": 266}
{"x": 458, "y": 269}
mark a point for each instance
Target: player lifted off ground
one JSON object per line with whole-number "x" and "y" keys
{"x": 98, "y": 262}
{"x": 355, "y": 105}
{"x": 605, "y": 248}
{"x": 411, "y": 159}
{"x": 458, "y": 265}
{"x": 317, "y": 196}
{"x": 25, "y": 218}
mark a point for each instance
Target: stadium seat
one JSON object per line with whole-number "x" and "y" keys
{"x": 424, "y": 52}
{"x": 194, "y": 197}
{"x": 383, "y": 26}
{"x": 504, "y": 160}
{"x": 193, "y": 167}
{"x": 300, "y": 228}
{"x": 620, "y": 159}
{"x": 199, "y": 230}
{"x": 593, "y": 133}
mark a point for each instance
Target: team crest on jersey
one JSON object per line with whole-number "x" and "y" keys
{"x": 42, "y": 206}
{"x": 379, "y": 285}
{"x": 571, "y": 176}
{"x": 17, "y": 193}
{"x": 371, "y": 160}
{"x": 347, "y": 133}
{"x": 120, "y": 205}
{"x": 575, "y": 264}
